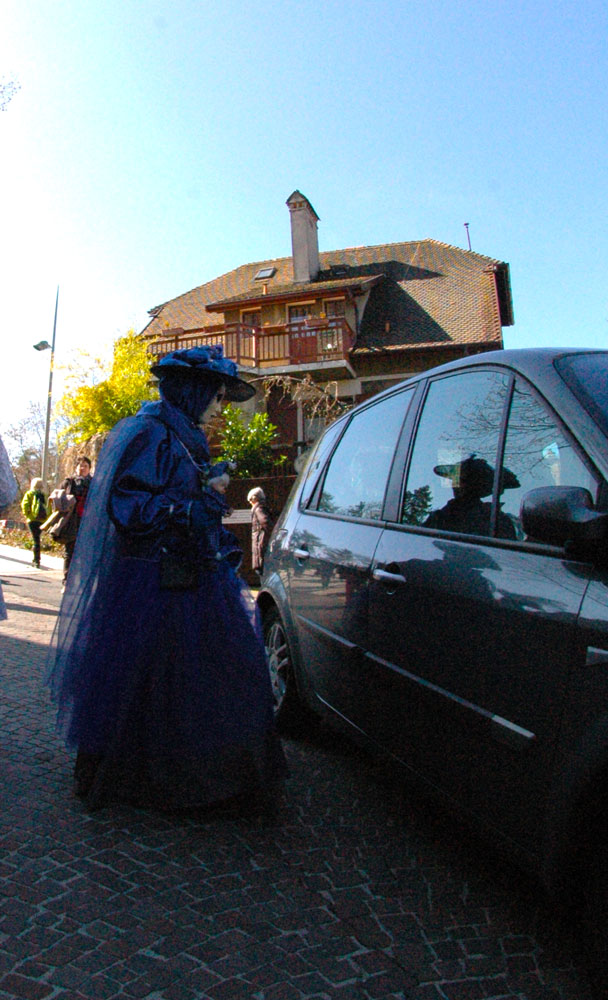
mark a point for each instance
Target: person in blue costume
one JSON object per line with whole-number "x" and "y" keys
{"x": 158, "y": 665}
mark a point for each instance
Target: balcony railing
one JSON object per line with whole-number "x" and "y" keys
{"x": 305, "y": 342}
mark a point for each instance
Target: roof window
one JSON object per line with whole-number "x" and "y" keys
{"x": 264, "y": 273}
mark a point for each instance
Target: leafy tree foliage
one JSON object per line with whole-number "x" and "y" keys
{"x": 248, "y": 444}
{"x": 417, "y": 505}
{"x": 89, "y": 409}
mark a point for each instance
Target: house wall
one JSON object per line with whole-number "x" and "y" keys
{"x": 410, "y": 362}
{"x": 277, "y": 313}
{"x": 284, "y": 413}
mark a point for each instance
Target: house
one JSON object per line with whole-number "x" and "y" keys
{"x": 361, "y": 318}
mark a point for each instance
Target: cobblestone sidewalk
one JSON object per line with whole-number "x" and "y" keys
{"x": 360, "y": 893}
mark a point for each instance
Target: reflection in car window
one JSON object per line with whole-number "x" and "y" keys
{"x": 538, "y": 453}
{"x": 321, "y": 451}
{"x": 356, "y": 478}
{"x": 451, "y": 473}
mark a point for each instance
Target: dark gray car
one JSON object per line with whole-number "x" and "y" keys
{"x": 438, "y": 581}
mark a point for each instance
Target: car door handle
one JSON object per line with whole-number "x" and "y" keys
{"x": 382, "y": 576}
{"x": 301, "y": 553}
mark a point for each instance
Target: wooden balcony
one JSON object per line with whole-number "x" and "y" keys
{"x": 321, "y": 346}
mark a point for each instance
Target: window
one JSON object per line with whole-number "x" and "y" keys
{"x": 264, "y": 273}
{"x": 537, "y": 453}
{"x": 298, "y": 313}
{"x": 252, "y": 318}
{"x": 334, "y": 308}
{"x": 356, "y": 478}
{"x": 321, "y": 451}
{"x": 451, "y": 475}
{"x": 587, "y": 377}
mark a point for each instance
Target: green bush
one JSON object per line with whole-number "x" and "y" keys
{"x": 249, "y": 445}
{"x": 22, "y": 539}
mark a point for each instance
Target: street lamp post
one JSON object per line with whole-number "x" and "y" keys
{"x": 44, "y": 346}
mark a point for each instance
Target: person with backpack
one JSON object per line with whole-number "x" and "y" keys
{"x": 33, "y": 506}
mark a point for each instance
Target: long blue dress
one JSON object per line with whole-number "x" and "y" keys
{"x": 166, "y": 690}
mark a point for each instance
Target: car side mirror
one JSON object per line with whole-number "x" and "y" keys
{"x": 564, "y": 515}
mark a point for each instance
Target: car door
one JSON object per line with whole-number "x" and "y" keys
{"x": 330, "y": 553}
{"x": 472, "y": 626}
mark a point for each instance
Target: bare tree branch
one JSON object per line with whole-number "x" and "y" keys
{"x": 318, "y": 400}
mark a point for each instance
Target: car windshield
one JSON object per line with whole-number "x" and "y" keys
{"x": 587, "y": 376}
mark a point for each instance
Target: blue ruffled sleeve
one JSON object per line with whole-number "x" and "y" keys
{"x": 145, "y": 498}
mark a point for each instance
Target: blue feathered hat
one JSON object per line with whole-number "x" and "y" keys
{"x": 202, "y": 363}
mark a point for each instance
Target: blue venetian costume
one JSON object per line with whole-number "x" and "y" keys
{"x": 158, "y": 665}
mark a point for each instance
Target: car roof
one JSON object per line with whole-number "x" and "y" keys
{"x": 527, "y": 360}
{"x": 534, "y": 362}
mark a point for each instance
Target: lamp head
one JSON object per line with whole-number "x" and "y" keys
{"x": 43, "y": 345}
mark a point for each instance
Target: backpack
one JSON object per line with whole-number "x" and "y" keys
{"x": 38, "y": 507}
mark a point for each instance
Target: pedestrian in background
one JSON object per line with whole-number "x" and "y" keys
{"x": 33, "y": 507}
{"x": 8, "y": 492}
{"x": 158, "y": 667}
{"x": 78, "y": 487}
{"x": 261, "y": 527}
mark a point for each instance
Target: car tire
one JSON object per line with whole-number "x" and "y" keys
{"x": 289, "y": 712}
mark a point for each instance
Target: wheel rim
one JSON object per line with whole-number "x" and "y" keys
{"x": 277, "y": 651}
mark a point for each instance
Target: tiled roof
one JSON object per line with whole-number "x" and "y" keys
{"x": 293, "y": 290}
{"x": 432, "y": 293}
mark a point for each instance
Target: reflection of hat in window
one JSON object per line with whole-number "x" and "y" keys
{"x": 474, "y": 477}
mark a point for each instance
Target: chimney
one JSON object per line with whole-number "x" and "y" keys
{"x": 304, "y": 238}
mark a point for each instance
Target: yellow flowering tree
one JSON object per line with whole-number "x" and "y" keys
{"x": 90, "y": 407}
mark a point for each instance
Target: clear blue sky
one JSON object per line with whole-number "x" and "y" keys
{"x": 153, "y": 144}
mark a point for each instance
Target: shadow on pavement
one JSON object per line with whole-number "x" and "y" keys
{"x": 460, "y": 865}
{"x": 33, "y": 608}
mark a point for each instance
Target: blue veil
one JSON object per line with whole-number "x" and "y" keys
{"x": 97, "y": 542}
{"x": 166, "y": 687}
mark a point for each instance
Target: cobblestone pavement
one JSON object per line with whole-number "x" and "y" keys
{"x": 361, "y": 892}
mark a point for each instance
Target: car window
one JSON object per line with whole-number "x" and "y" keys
{"x": 587, "y": 377}
{"x": 356, "y": 478}
{"x": 316, "y": 461}
{"x": 451, "y": 474}
{"x": 537, "y": 453}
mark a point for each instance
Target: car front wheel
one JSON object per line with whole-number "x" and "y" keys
{"x": 288, "y": 709}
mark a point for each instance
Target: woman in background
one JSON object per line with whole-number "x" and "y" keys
{"x": 261, "y": 527}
